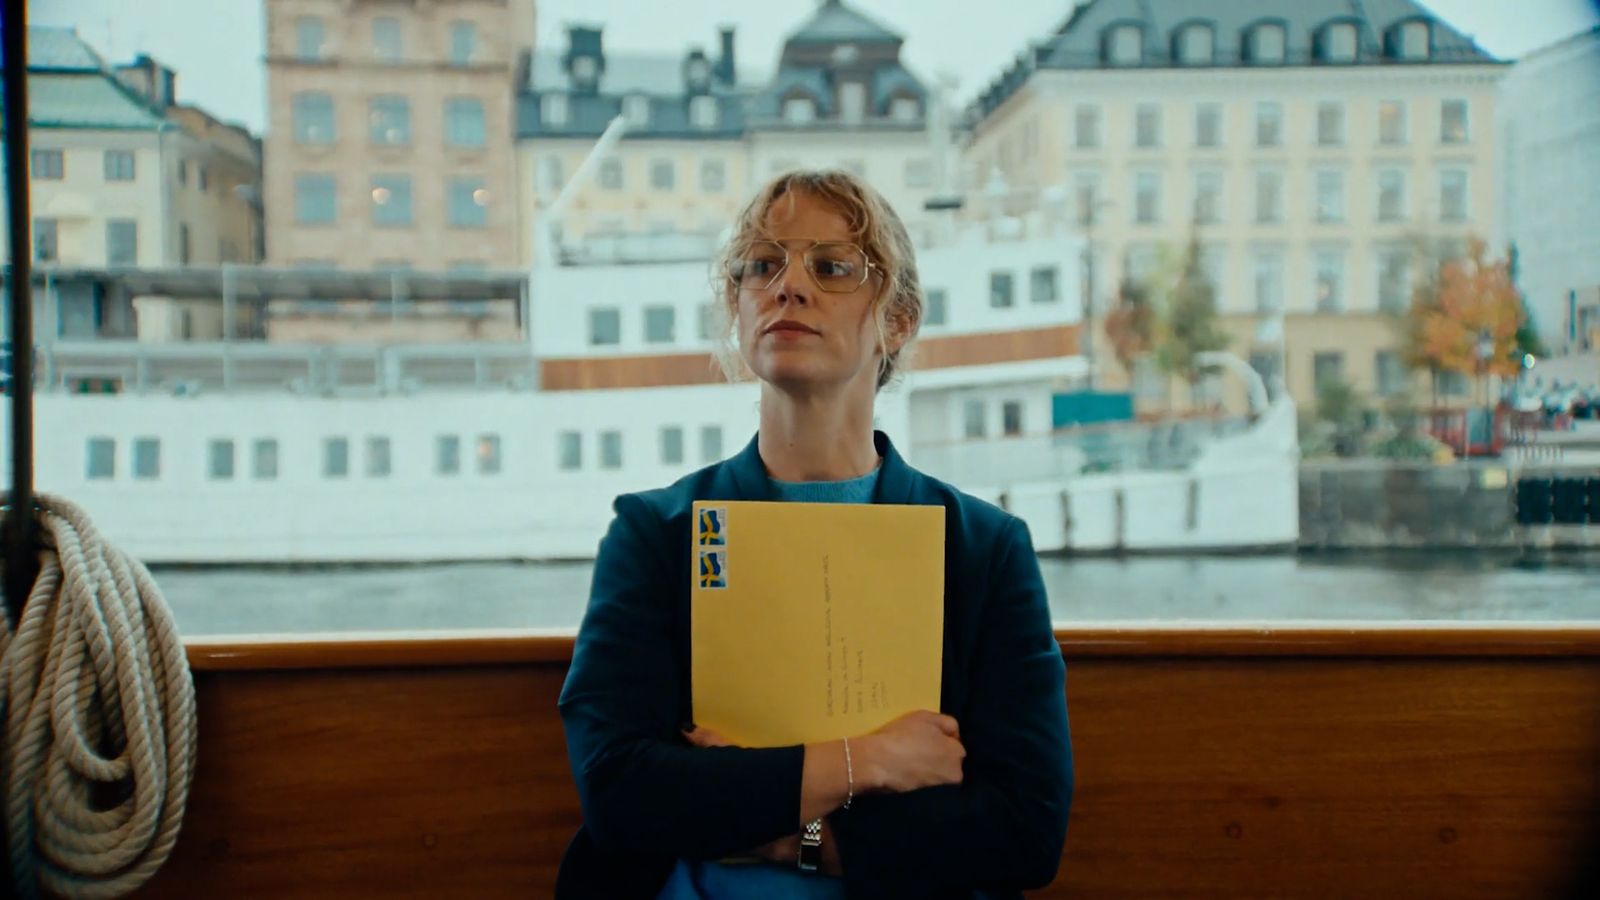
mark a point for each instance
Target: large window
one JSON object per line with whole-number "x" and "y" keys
{"x": 464, "y": 124}
{"x": 391, "y": 200}
{"x": 1390, "y": 372}
{"x": 1330, "y": 124}
{"x": 937, "y": 312}
{"x": 1269, "y": 124}
{"x": 48, "y": 165}
{"x": 1043, "y": 285}
{"x": 1267, "y": 44}
{"x": 387, "y": 42}
{"x": 569, "y": 451}
{"x": 101, "y": 464}
{"x": 468, "y": 202}
{"x": 1086, "y": 127}
{"x": 309, "y": 36}
{"x": 1328, "y": 289}
{"x": 1269, "y": 197}
{"x": 311, "y": 117}
{"x": 380, "y": 461}
{"x": 974, "y": 416}
{"x": 1453, "y": 122}
{"x": 1327, "y": 368}
{"x": 488, "y": 454}
{"x": 610, "y": 449}
{"x": 264, "y": 462}
{"x": 852, "y": 101}
{"x": 1147, "y": 198}
{"x": 314, "y": 200}
{"x": 122, "y": 242}
{"x": 1413, "y": 40}
{"x": 553, "y": 109}
{"x": 1452, "y": 195}
{"x": 710, "y": 443}
{"x": 1268, "y": 282}
{"x": 1394, "y": 280}
{"x": 1207, "y": 197}
{"x": 1196, "y": 46}
{"x": 335, "y": 457}
{"x": 46, "y": 240}
{"x": 1392, "y": 122}
{"x": 660, "y": 324}
{"x": 390, "y": 118}
{"x": 713, "y": 176}
{"x": 671, "y": 445}
{"x": 220, "y": 457}
{"x": 663, "y": 174}
{"x": 703, "y": 112}
{"x": 447, "y": 455}
{"x": 1339, "y": 43}
{"x": 119, "y": 165}
{"x": 605, "y": 326}
{"x": 1208, "y": 125}
{"x": 1147, "y": 126}
{"x": 1126, "y": 45}
{"x": 799, "y": 111}
{"x": 611, "y": 174}
{"x": 1000, "y": 290}
{"x": 463, "y": 43}
{"x": 146, "y": 458}
{"x": 1391, "y": 195}
{"x": 1330, "y": 196}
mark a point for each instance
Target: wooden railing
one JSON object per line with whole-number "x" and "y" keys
{"x": 1304, "y": 762}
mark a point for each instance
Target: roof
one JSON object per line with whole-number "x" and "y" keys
{"x": 1078, "y": 43}
{"x": 836, "y": 23}
{"x": 60, "y": 49}
{"x": 645, "y": 73}
{"x": 86, "y": 101}
{"x": 589, "y": 114}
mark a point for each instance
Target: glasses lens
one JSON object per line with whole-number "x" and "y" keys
{"x": 758, "y": 265}
{"x": 837, "y": 267}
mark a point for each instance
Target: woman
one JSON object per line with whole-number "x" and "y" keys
{"x": 820, "y": 286}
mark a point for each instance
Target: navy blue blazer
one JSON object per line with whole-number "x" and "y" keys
{"x": 649, "y": 798}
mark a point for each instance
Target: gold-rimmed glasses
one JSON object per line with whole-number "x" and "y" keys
{"x": 837, "y": 267}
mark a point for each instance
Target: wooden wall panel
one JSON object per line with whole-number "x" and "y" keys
{"x": 1370, "y": 767}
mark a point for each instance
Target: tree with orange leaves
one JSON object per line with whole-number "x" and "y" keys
{"x": 1471, "y": 301}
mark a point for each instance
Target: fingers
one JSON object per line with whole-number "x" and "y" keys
{"x": 705, "y": 737}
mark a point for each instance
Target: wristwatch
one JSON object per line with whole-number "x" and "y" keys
{"x": 811, "y": 846}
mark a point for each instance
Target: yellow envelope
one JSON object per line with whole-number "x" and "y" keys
{"x": 814, "y": 621}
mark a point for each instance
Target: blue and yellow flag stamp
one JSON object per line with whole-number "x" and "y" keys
{"x": 713, "y": 568}
{"x": 712, "y": 526}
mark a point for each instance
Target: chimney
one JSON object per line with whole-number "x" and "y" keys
{"x": 724, "y": 69}
{"x": 585, "y": 60}
{"x": 155, "y": 83}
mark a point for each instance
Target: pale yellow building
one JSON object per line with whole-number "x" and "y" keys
{"x": 1313, "y": 146}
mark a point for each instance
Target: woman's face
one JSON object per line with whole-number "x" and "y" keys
{"x": 794, "y": 335}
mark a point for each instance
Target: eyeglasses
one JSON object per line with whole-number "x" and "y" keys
{"x": 837, "y": 267}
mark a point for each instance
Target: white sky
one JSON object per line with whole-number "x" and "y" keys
{"x": 216, "y": 45}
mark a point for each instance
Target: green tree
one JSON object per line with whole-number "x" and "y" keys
{"x": 1191, "y": 320}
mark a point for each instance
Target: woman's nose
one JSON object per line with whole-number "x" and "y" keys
{"x": 792, "y": 285}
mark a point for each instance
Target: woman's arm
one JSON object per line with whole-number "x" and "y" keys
{"x": 642, "y": 787}
{"x": 1005, "y": 824}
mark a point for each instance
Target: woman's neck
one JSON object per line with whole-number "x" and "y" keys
{"x": 815, "y": 439}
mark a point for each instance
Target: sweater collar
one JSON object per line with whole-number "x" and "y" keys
{"x": 895, "y": 478}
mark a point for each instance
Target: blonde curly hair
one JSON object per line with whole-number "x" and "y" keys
{"x": 873, "y": 224}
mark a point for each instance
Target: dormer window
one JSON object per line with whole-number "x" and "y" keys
{"x": 845, "y": 54}
{"x": 799, "y": 111}
{"x": 699, "y": 73}
{"x": 636, "y": 110}
{"x": 905, "y": 109}
{"x": 584, "y": 70}
{"x": 853, "y": 101}
{"x": 703, "y": 112}
{"x": 553, "y": 109}
{"x": 1125, "y": 46}
{"x": 1339, "y": 43}
{"x": 1196, "y": 46}
{"x": 1414, "y": 41}
{"x": 1267, "y": 44}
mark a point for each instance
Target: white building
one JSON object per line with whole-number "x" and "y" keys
{"x": 1548, "y": 129}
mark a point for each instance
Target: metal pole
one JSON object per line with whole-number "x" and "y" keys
{"x": 20, "y": 529}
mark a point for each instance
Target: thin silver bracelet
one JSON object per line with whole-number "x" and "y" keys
{"x": 849, "y": 776}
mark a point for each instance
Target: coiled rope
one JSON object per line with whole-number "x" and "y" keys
{"x": 99, "y": 719}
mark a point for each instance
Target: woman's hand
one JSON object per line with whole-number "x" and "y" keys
{"x": 705, "y": 737}
{"x": 919, "y": 749}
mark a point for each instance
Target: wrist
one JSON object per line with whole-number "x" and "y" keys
{"x": 864, "y": 757}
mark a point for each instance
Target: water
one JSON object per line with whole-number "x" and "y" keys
{"x": 1213, "y": 589}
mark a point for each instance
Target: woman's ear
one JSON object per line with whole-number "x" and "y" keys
{"x": 898, "y": 327}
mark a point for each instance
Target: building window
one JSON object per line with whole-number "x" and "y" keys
{"x": 937, "y": 303}
{"x": 1339, "y": 43}
{"x": 1196, "y": 46}
{"x": 183, "y": 172}
{"x": 463, "y": 43}
{"x": 703, "y": 112}
{"x": 390, "y": 118}
{"x": 1139, "y": 262}
{"x": 1267, "y": 44}
{"x": 1327, "y": 368}
{"x": 1414, "y": 40}
{"x": 48, "y": 165}
{"x": 1453, "y": 122}
{"x": 605, "y": 327}
{"x": 1330, "y": 124}
{"x": 1011, "y": 418}
{"x": 202, "y": 180}
{"x": 184, "y": 246}
{"x": 636, "y": 110}
{"x": 1330, "y": 196}
{"x": 611, "y": 174}
{"x": 309, "y": 36}
{"x": 660, "y": 324}
{"x": 447, "y": 454}
{"x": 221, "y": 459}
{"x": 469, "y": 203}
{"x": 46, "y": 240}
{"x": 1126, "y": 46}
{"x": 264, "y": 461}
{"x": 710, "y": 443}
{"x": 1042, "y": 285}
{"x": 119, "y": 165}
{"x": 663, "y": 174}
{"x": 1269, "y": 197}
{"x": 488, "y": 454}
{"x": 1392, "y": 122}
{"x": 553, "y": 109}
{"x": 1268, "y": 272}
{"x": 146, "y": 459}
{"x": 852, "y": 101}
{"x": 1452, "y": 195}
{"x": 713, "y": 176}
{"x": 1086, "y": 191}
{"x": 1147, "y": 198}
{"x": 314, "y": 200}
{"x": 1390, "y": 372}
{"x": 905, "y": 109}
{"x": 919, "y": 173}
{"x": 671, "y": 446}
{"x": 973, "y": 419}
{"x": 569, "y": 451}
{"x": 799, "y": 111}
{"x": 335, "y": 457}
{"x": 610, "y": 449}
{"x": 312, "y": 116}
{"x": 102, "y": 459}
{"x": 1207, "y": 197}
{"x": 1452, "y": 383}
{"x": 122, "y": 242}
{"x": 391, "y": 200}
{"x": 1391, "y": 195}
{"x": 1329, "y": 284}
{"x": 1086, "y": 127}
{"x": 464, "y": 124}
{"x": 379, "y": 458}
{"x": 1147, "y": 126}
{"x": 1208, "y": 125}
{"x": 1394, "y": 281}
{"x": 387, "y": 45}
{"x": 1269, "y": 125}
{"x": 1000, "y": 290}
